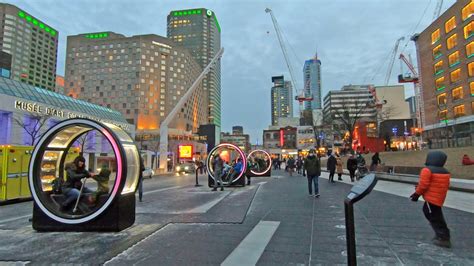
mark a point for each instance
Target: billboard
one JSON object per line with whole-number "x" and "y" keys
{"x": 185, "y": 151}
{"x": 305, "y": 138}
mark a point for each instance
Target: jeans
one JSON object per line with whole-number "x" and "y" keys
{"x": 218, "y": 179}
{"x": 72, "y": 195}
{"x": 434, "y": 215}
{"x": 313, "y": 179}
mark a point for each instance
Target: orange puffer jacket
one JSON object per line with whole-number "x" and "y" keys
{"x": 434, "y": 179}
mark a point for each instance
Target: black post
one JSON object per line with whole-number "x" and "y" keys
{"x": 350, "y": 233}
{"x": 197, "y": 180}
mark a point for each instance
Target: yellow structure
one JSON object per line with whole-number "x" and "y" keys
{"x": 14, "y": 162}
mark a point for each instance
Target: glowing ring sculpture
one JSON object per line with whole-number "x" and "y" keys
{"x": 266, "y": 155}
{"x": 61, "y": 137}
{"x": 241, "y": 153}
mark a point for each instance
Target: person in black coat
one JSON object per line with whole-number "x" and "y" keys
{"x": 71, "y": 187}
{"x": 331, "y": 165}
{"x": 375, "y": 162}
{"x": 352, "y": 166}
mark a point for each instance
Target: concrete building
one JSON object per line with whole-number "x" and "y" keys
{"x": 446, "y": 62}
{"x": 237, "y": 130}
{"x": 59, "y": 88}
{"x": 240, "y": 140}
{"x": 412, "y": 105}
{"x": 312, "y": 82}
{"x": 32, "y": 44}
{"x": 281, "y": 99}
{"x": 142, "y": 76}
{"x": 394, "y": 105}
{"x": 198, "y": 30}
{"x": 5, "y": 64}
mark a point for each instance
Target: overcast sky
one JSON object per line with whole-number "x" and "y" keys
{"x": 353, "y": 39}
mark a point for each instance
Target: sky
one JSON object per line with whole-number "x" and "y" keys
{"x": 353, "y": 39}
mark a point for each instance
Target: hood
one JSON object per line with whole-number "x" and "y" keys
{"x": 436, "y": 158}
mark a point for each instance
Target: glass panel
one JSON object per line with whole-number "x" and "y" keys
{"x": 457, "y": 93}
{"x": 469, "y": 30}
{"x": 435, "y": 36}
{"x": 470, "y": 68}
{"x": 455, "y": 75}
{"x": 450, "y": 24}
{"x": 452, "y": 41}
{"x": 467, "y": 11}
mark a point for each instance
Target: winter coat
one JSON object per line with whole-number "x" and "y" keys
{"x": 376, "y": 159}
{"x": 466, "y": 160}
{"x": 74, "y": 176}
{"x": 339, "y": 168}
{"x": 434, "y": 179}
{"x": 312, "y": 165}
{"x": 331, "y": 164}
{"x": 352, "y": 164}
{"x": 291, "y": 163}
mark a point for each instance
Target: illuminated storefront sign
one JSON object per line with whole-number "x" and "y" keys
{"x": 185, "y": 151}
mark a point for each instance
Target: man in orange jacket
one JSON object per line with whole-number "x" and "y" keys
{"x": 433, "y": 186}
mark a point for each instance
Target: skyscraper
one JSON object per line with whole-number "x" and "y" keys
{"x": 281, "y": 98}
{"x": 142, "y": 76}
{"x": 312, "y": 82}
{"x": 32, "y": 44}
{"x": 198, "y": 30}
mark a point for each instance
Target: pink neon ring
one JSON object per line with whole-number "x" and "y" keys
{"x": 241, "y": 153}
{"x": 269, "y": 165}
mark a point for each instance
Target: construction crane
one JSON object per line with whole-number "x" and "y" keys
{"x": 393, "y": 54}
{"x": 438, "y": 7}
{"x": 300, "y": 94}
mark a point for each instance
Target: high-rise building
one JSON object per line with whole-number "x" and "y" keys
{"x": 198, "y": 30}
{"x": 281, "y": 99}
{"x": 445, "y": 57}
{"x": 237, "y": 130}
{"x": 32, "y": 44}
{"x": 142, "y": 76}
{"x": 5, "y": 64}
{"x": 312, "y": 82}
{"x": 59, "y": 88}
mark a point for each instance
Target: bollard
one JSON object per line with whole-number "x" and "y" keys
{"x": 197, "y": 180}
{"x": 361, "y": 189}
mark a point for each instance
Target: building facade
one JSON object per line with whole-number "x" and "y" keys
{"x": 240, "y": 140}
{"x": 198, "y": 30}
{"x": 237, "y": 130}
{"x": 141, "y": 76}
{"x": 312, "y": 82}
{"x": 393, "y": 103}
{"x": 446, "y": 63}
{"x": 281, "y": 99}
{"x": 32, "y": 44}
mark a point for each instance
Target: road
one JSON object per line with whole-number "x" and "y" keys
{"x": 271, "y": 222}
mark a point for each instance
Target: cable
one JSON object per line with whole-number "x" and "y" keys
{"x": 414, "y": 29}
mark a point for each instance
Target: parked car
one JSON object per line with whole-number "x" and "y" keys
{"x": 148, "y": 172}
{"x": 185, "y": 168}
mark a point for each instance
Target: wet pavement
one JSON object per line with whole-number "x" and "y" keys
{"x": 179, "y": 224}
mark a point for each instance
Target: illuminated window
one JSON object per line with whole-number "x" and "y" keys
{"x": 467, "y": 11}
{"x": 438, "y": 67}
{"x": 440, "y": 83}
{"x": 470, "y": 68}
{"x": 450, "y": 24}
{"x": 442, "y": 99}
{"x": 470, "y": 50}
{"x": 452, "y": 41}
{"x": 471, "y": 86}
{"x": 453, "y": 59}
{"x": 459, "y": 110}
{"x": 457, "y": 93}
{"x": 437, "y": 51}
{"x": 435, "y": 36}
{"x": 443, "y": 114}
{"x": 455, "y": 76}
{"x": 469, "y": 30}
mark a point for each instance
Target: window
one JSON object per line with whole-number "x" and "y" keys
{"x": 455, "y": 76}
{"x": 443, "y": 114}
{"x": 470, "y": 68}
{"x": 438, "y": 67}
{"x": 469, "y": 30}
{"x": 471, "y": 86}
{"x": 452, "y": 41}
{"x": 437, "y": 52}
{"x": 442, "y": 99}
{"x": 435, "y": 36}
{"x": 467, "y": 11}
{"x": 457, "y": 93}
{"x": 453, "y": 59}
{"x": 450, "y": 24}
{"x": 440, "y": 83}
{"x": 459, "y": 110}
{"x": 470, "y": 50}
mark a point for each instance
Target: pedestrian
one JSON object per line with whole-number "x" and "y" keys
{"x": 248, "y": 172}
{"x": 218, "y": 165}
{"x": 339, "y": 168}
{"x": 433, "y": 186}
{"x": 331, "y": 166}
{"x": 352, "y": 166}
{"x": 291, "y": 165}
{"x": 375, "y": 162}
{"x": 140, "y": 180}
{"x": 312, "y": 165}
{"x": 299, "y": 164}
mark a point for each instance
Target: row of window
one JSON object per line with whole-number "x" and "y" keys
{"x": 449, "y": 25}
{"x": 454, "y": 76}
{"x": 456, "y": 94}
{"x": 458, "y": 111}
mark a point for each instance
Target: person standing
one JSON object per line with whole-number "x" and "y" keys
{"x": 352, "y": 166}
{"x": 218, "y": 165}
{"x": 291, "y": 165}
{"x": 339, "y": 168}
{"x": 331, "y": 165}
{"x": 312, "y": 165}
{"x": 375, "y": 162}
{"x": 433, "y": 186}
{"x": 140, "y": 180}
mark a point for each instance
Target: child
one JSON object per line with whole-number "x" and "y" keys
{"x": 433, "y": 186}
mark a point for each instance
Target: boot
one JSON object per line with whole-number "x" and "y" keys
{"x": 442, "y": 242}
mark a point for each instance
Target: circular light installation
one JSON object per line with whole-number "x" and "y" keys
{"x": 268, "y": 159}
{"x": 60, "y": 138}
{"x": 209, "y": 13}
{"x": 225, "y": 147}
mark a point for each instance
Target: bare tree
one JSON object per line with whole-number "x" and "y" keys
{"x": 33, "y": 126}
{"x": 82, "y": 142}
{"x": 386, "y": 113}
